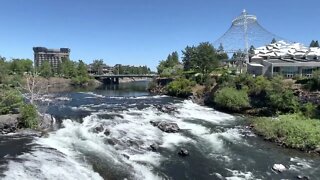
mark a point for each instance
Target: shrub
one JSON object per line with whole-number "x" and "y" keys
{"x": 80, "y": 80}
{"x": 180, "y": 87}
{"x": 293, "y": 130}
{"x": 283, "y": 101}
{"x": 9, "y": 100}
{"x": 232, "y": 99}
{"x": 29, "y": 116}
{"x": 309, "y": 110}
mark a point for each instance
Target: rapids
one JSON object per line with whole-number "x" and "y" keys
{"x": 220, "y": 146}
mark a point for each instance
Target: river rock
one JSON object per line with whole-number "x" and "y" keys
{"x": 154, "y": 147}
{"x": 303, "y": 177}
{"x": 46, "y": 121}
{"x": 183, "y": 152}
{"x": 126, "y": 156}
{"x": 98, "y": 129}
{"x": 9, "y": 123}
{"x": 166, "y": 108}
{"x": 107, "y": 132}
{"x": 279, "y": 167}
{"x": 167, "y": 127}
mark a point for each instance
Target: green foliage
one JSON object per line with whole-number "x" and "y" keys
{"x": 314, "y": 43}
{"x": 82, "y": 69}
{"x": 20, "y": 66}
{"x": 80, "y": 80}
{"x": 180, "y": 87}
{"x": 309, "y": 110}
{"x": 45, "y": 69}
{"x": 9, "y": 100}
{"x": 170, "y": 66}
{"x": 203, "y": 58}
{"x": 293, "y": 130}
{"x": 126, "y": 69}
{"x": 29, "y": 117}
{"x": 68, "y": 68}
{"x": 97, "y": 66}
{"x": 231, "y": 99}
{"x": 313, "y": 83}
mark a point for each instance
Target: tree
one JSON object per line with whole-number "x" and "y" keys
{"x": 273, "y": 41}
{"x": 251, "y": 50}
{"x": 207, "y": 58}
{"x": 316, "y": 44}
{"x": 97, "y": 66}
{"x": 189, "y": 58}
{"x": 171, "y": 61}
{"x": 312, "y": 43}
{"x": 46, "y": 69}
{"x": 82, "y": 69}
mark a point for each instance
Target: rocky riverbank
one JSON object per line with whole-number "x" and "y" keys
{"x": 11, "y": 123}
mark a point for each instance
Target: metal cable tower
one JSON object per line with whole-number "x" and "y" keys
{"x": 245, "y": 31}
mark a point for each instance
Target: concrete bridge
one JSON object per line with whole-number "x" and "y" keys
{"x": 114, "y": 78}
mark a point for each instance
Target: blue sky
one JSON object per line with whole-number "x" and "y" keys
{"x": 141, "y": 32}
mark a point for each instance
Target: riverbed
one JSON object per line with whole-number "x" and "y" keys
{"x": 219, "y": 144}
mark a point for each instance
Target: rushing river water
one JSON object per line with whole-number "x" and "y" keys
{"x": 220, "y": 146}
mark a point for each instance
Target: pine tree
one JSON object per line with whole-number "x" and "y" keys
{"x": 312, "y": 43}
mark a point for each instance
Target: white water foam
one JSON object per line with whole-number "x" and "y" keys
{"x": 133, "y": 134}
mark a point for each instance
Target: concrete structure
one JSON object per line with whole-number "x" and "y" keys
{"x": 114, "y": 78}
{"x": 284, "y": 59}
{"x": 54, "y": 56}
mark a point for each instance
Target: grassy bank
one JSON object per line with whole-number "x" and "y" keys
{"x": 291, "y": 130}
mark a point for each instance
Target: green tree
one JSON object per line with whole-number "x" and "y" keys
{"x": 316, "y": 44}
{"x": 82, "y": 69}
{"x": 189, "y": 58}
{"x": 207, "y": 58}
{"x": 169, "y": 64}
{"x": 97, "y": 66}
{"x": 45, "y": 69}
{"x": 312, "y": 43}
{"x": 180, "y": 87}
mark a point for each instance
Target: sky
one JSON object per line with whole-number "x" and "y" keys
{"x": 141, "y": 32}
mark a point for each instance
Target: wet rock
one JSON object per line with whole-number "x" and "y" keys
{"x": 46, "y": 121}
{"x": 98, "y": 129}
{"x": 166, "y": 108}
{"x": 183, "y": 152}
{"x": 154, "y": 147}
{"x": 303, "y": 177}
{"x": 168, "y": 127}
{"x": 279, "y": 168}
{"x": 154, "y": 123}
{"x": 317, "y": 150}
{"x": 126, "y": 156}
{"x": 106, "y": 132}
{"x": 9, "y": 123}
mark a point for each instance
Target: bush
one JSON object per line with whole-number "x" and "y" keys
{"x": 10, "y": 99}
{"x": 293, "y": 130}
{"x": 309, "y": 110}
{"x": 283, "y": 101}
{"x": 29, "y": 117}
{"x": 180, "y": 87}
{"x": 232, "y": 99}
{"x": 80, "y": 80}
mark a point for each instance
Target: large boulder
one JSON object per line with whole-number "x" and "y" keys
{"x": 167, "y": 127}
{"x": 166, "y": 108}
{"x": 46, "y": 121}
{"x": 9, "y": 123}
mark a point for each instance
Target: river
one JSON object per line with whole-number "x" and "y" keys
{"x": 220, "y": 146}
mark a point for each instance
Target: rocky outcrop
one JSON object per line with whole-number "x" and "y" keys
{"x": 154, "y": 147}
{"x": 183, "y": 152}
{"x": 167, "y": 127}
{"x": 166, "y": 108}
{"x": 46, "y": 121}
{"x": 9, "y": 123}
